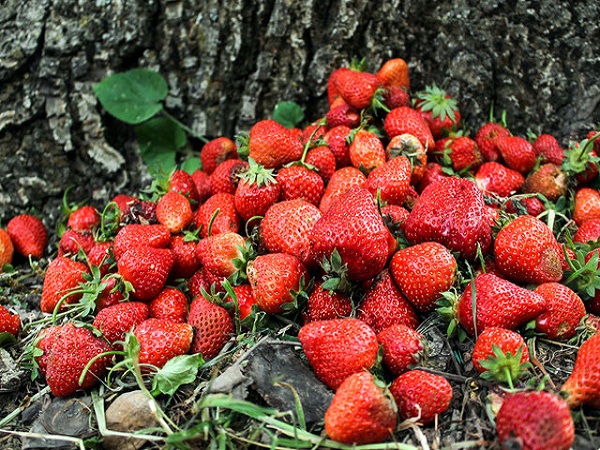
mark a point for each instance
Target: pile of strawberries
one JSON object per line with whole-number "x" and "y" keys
{"x": 358, "y": 227}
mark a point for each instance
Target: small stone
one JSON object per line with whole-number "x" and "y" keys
{"x": 10, "y": 375}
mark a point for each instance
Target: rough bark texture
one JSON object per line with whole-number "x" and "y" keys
{"x": 229, "y": 62}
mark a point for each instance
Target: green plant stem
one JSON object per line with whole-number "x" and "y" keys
{"x": 184, "y": 127}
{"x": 20, "y": 409}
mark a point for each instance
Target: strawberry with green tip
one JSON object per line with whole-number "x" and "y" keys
{"x": 324, "y": 304}
{"x": 439, "y": 110}
{"x": 222, "y": 254}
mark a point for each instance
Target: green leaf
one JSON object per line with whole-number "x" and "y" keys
{"x": 159, "y": 139}
{"x": 190, "y": 165}
{"x": 6, "y": 339}
{"x": 133, "y": 96}
{"x": 176, "y": 372}
{"x": 289, "y": 114}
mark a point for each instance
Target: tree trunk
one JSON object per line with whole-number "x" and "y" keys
{"x": 229, "y": 62}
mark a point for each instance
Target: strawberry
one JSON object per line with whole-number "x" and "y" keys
{"x": 226, "y": 217}
{"x": 182, "y": 183}
{"x": 9, "y": 323}
{"x": 300, "y": 182}
{"x": 323, "y": 304}
{"x": 337, "y": 348}
{"x": 218, "y": 253}
{"x": 439, "y": 110}
{"x": 433, "y": 172}
{"x": 366, "y": 151}
{"x": 135, "y": 211}
{"x": 202, "y": 181}
{"x": 487, "y": 138}
{"x": 212, "y": 326}
{"x": 161, "y": 340}
{"x": 63, "y": 277}
{"x": 256, "y": 191}
{"x": 495, "y": 178}
{"x": 174, "y": 211}
{"x": 394, "y": 73}
{"x": 43, "y": 343}
{"x": 170, "y": 304}
{"x": 333, "y": 95}
{"x": 527, "y": 205}
{"x": 74, "y": 347}
{"x": 336, "y": 140}
{"x": 409, "y": 146}
{"x": 215, "y": 152}
{"x": 422, "y": 395}
{"x": 343, "y": 114}
{"x": 356, "y": 88}
{"x": 116, "y": 320}
{"x": 312, "y": 133}
{"x": 462, "y": 154}
{"x": 72, "y": 241}
{"x": 286, "y": 228}
{"x": 391, "y": 180}
{"x": 452, "y": 212}
{"x": 407, "y": 120}
{"x": 535, "y": 420}
{"x": 6, "y": 249}
{"x": 226, "y": 177}
{"x": 147, "y": 269}
{"x": 395, "y": 97}
{"x": 184, "y": 253}
{"x": 341, "y": 181}
{"x": 565, "y": 311}
{"x": 85, "y": 218}
{"x": 28, "y": 235}
{"x": 498, "y": 303}
{"x": 549, "y": 180}
{"x": 527, "y": 251}
{"x": 500, "y": 354}
{"x": 423, "y": 272}
{"x": 204, "y": 280}
{"x": 581, "y": 160}
{"x": 588, "y": 231}
{"x": 133, "y": 235}
{"x": 401, "y": 347}
{"x": 113, "y": 293}
{"x": 245, "y": 300}
{"x": 546, "y": 146}
{"x": 275, "y": 279}
{"x": 272, "y": 145}
{"x": 583, "y": 385}
{"x": 361, "y": 412}
{"x": 586, "y": 205}
{"x": 354, "y": 227}
{"x": 323, "y": 159}
{"x": 517, "y": 153}
{"x": 384, "y": 305}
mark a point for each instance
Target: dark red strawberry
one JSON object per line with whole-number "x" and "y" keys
{"x": 184, "y": 253}
{"x": 72, "y": 241}
{"x": 85, "y": 218}
{"x": 147, "y": 269}
{"x": 433, "y": 172}
{"x": 9, "y": 323}
{"x": 299, "y": 182}
{"x": 204, "y": 280}
{"x": 161, "y": 340}
{"x": 213, "y": 327}
{"x": 565, "y": 311}
{"x": 546, "y": 146}
{"x": 182, "y": 183}
{"x": 28, "y": 235}
{"x": 226, "y": 176}
{"x": 344, "y": 115}
{"x": 202, "y": 181}
{"x": 323, "y": 304}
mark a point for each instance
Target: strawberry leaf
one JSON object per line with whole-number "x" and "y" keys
{"x": 159, "y": 139}
{"x": 288, "y": 113}
{"x": 176, "y": 372}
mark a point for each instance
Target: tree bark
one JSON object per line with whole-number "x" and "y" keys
{"x": 229, "y": 62}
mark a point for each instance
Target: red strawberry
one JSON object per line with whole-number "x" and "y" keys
{"x": 588, "y": 231}
{"x": 204, "y": 280}
{"x": 147, "y": 269}
{"x": 272, "y": 145}
{"x": 226, "y": 177}
{"x": 337, "y": 348}
{"x": 312, "y": 132}
{"x": 586, "y": 205}
{"x": 433, "y": 172}
{"x": 517, "y": 152}
{"x": 407, "y": 120}
{"x": 366, "y": 151}
{"x": 401, "y": 347}
{"x": 6, "y": 249}
{"x": 423, "y": 272}
{"x": 212, "y": 325}
{"x": 384, "y": 305}
{"x": 222, "y": 206}
{"x": 72, "y": 241}
{"x": 133, "y": 235}
{"x": 356, "y": 88}
{"x": 116, "y": 320}
{"x": 421, "y": 394}
{"x": 394, "y": 72}
{"x": 174, "y": 211}
{"x": 439, "y": 110}
{"x": 583, "y": 385}
{"x": 495, "y": 178}
{"x": 202, "y": 181}
{"x": 395, "y": 97}
{"x": 344, "y": 115}
{"x": 74, "y": 347}
{"x": 170, "y": 304}
{"x": 333, "y": 95}
{"x": 245, "y": 300}
{"x": 63, "y": 276}
{"x": 535, "y": 420}
{"x": 354, "y": 227}
{"x": 161, "y": 340}
{"x": 564, "y": 313}
{"x": 487, "y": 137}
{"x": 463, "y": 154}
{"x": 112, "y": 293}
{"x": 274, "y": 278}
{"x": 323, "y": 304}
{"x": 299, "y": 182}
{"x": 9, "y": 323}
{"x": 527, "y": 251}
{"x": 500, "y": 354}
{"x": 85, "y": 218}
{"x": 392, "y": 180}
{"x": 549, "y": 180}
{"x": 286, "y": 228}
{"x": 342, "y": 181}
{"x": 360, "y": 412}
{"x": 43, "y": 343}
{"x": 546, "y": 146}
{"x": 218, "y": 253}
{"x": 256, "y": 191}
{"x": 182, "y": 183}
{"x": 184, "y": 253}
{"x": 215, "y": 152}
{"x": 527, "y": 205}
{"x": 28, "y": 235}
{"x": 498, "y": 303}
{"x": 336, "y": 139}
{"x": 452, "y": 212}
{"x": 409, "y": 146}
{"x": 323, "y": 159}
